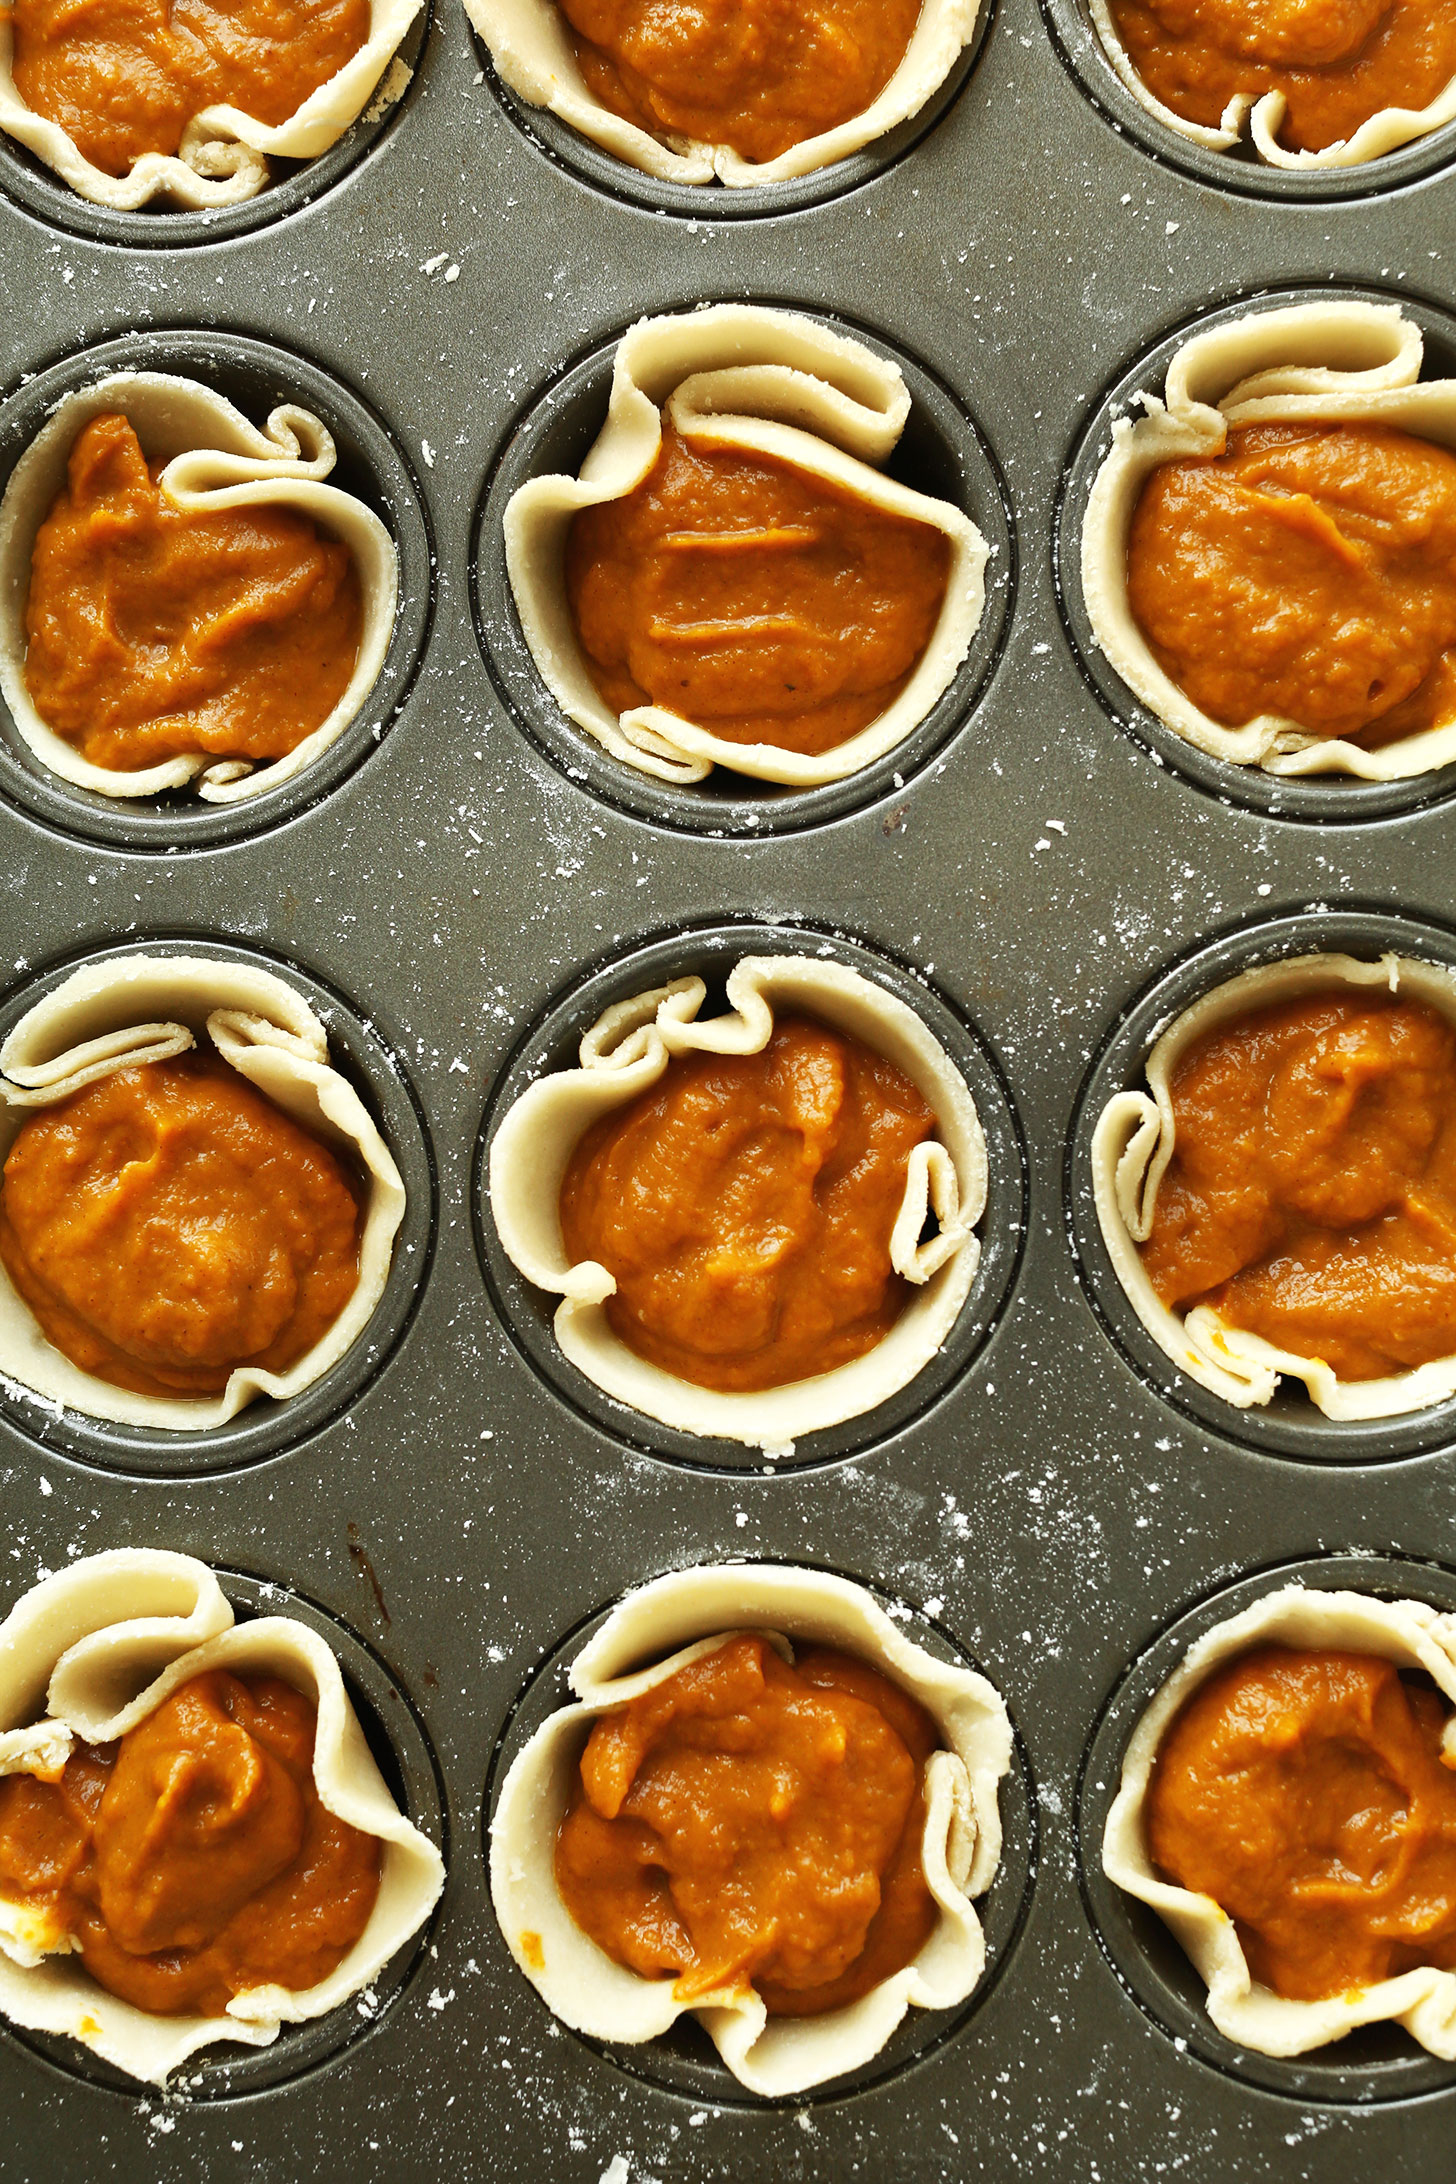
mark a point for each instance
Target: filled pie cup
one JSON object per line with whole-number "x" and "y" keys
{"x": 109, "y": 1650}
{"x": 214, "y": 462}
{"x": 723, "y": 612}
{"x": 240, "y": 1034}
{"x": 638, "y": 1064}
{"x": 1351, "y": 1125}
{"x": 1274, "y": 1693}
{"x": 1288, "y": 603}
{"x": 1314, "y": 88}
{"x": 222, "y": 155}
{"x": 543, "y": 58}
{"x": 675, "y": 1626}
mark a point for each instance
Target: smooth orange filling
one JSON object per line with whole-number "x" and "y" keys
{"x": 1336, "y": 61}
{"x": 745, "y": 1204}
{"x": 193, "y": 1859}
{"x": 1308, "y": 570}
{"x": 1305, "y": 1793}
{"x": 169, "y": 1224}
{"x": 1311, "y": 1197}
{"x": 758, "y": 75}
{"x": 749, "y": 1824}
{"x": 124, "y": 77}
{"x": 153, "y": 631}
{"x": 752, "y": 599}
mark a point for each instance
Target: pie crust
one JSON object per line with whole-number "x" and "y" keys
{"x": 215, "y": 459}
{"x": 223, "y": 157}
{"x": 1411, "y": 1634}
{"x": 1339, "y": 362}
{"x": 1133, "y": 1143}
{"x": 99, "y": 1646}
{"x": 134, "y": 1009}
{"x": 740, "y": 376}
{"x": 1384, "y": 131}
{"x": 625, "y": 1052}
{"x": 530, "y": 44}
{"x": 670, "y": 1622}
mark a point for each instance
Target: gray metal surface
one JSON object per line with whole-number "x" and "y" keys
{"x": 1052, "y": 1512}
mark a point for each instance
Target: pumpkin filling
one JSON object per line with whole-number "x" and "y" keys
{"x": 751, "y": 599}
{"x": 745, "y": 1204}
{"x": 169, "y": 1224}
{"x": 1311, "y": 1196}
{"x": 125, "y": 77}
{"x": 193, "y": 1860}
{"x": 155, "y": 631}
{"x": 1337, "y": 62}
{"x": 1309, "y": 571}
{"x": 745, "y": 1823}
{"x": 757, "y": 75}
{"x": 1305, "y": 1792}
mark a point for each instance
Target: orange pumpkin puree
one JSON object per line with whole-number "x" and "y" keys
{"x": 750, "y": 1824}
{"x": 1336, "y": 61}
{"x": 758, "y": 75}
{"x": 752, "y": 599}
{"x": 124, "y": 77}
{"x": 170, "y": 1223}
{"x": 193, "y": 1860}
{"x": 744, "y": 1204}
{"x": 1311, "y": 1197}
{"x": 1308, "y": 570}
{"x": 154, "y": 631}
{"x": 1305, "y": 1793}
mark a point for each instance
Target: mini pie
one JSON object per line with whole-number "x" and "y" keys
{"x": 1409, "y": 1634}
{"x": 1318, "y": 366}
{"x": 223, "y": 155}
{"x": 668, "y": 1624}
{"x": 533, "y": 49}
{"x": 1301, "y": 38}
{"x": 142, "y": 1009}
{"x": 1133, "y": 1143}
{"x": 215, "y": 460}
{"x": 770, "y": 384}
{"x": 89, "y": 1655}
{"x": 624, "y": 1054}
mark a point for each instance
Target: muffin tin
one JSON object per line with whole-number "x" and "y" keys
{"x": 443, "y": 291}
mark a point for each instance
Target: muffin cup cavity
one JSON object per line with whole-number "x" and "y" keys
{"x": 237, "y": 423}
{"x": 1173, "y": 1951}
{"x": 1122, "y": 1137}
{"x": 303, "y": 1049}
{"x": 750, "y": 375}
{"x": 955, "y": 1241}
{"x": 980, "y": 1849}
{"x": 1341, "y": 355}
{"x": 93, "y": 1651}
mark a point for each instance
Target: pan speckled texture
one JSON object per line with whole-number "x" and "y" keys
{"x": 1055, "y": 1508}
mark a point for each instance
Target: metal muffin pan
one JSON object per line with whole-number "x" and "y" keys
{"x": 1052, "y": 1511}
